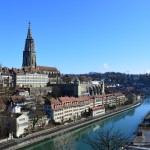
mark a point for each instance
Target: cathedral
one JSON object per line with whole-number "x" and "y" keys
{"x": 29, "y": 53}
{"x": 30, "y": 75}
{"x": 29, "y": 64}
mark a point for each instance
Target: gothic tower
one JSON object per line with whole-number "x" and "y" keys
{"x": 29, "y": 53}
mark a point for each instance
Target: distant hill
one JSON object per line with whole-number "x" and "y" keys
{"x": 91, "y": 73}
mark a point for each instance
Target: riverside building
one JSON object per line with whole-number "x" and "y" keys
{"x": 70, "y": 108}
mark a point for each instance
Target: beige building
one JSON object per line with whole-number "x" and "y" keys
{"x": 31, "y": 80}
{"x": 15, "y": 124}
{"x": 70, "y": 108}
{"x": 6, "y": 80}
{"x": 88, "y": 89}
{"x": 98, "y": 110}
{"x": 20, "y": 124}
{"x": 78, "y": 89}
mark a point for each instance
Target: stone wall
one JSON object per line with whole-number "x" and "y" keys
{"x": 66, "y": 89}
{"x": 34, "y": 91}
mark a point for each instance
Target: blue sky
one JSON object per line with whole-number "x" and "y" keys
{"x": 78, "y": 36}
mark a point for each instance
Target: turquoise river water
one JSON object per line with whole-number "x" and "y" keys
{"x": 127, "y": 122}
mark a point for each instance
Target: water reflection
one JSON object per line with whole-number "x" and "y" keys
{"x": 96, "y": 127}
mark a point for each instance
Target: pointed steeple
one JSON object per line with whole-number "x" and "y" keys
{"x": 29, "y": 36}
{"x": 29, "y": 44}
{"x": 29, "y": 53}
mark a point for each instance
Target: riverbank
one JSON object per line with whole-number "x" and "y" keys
{"x": 49, "y": 133}
{"x": 142, "y": 136}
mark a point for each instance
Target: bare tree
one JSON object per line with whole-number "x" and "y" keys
{"x": 106, "y": 140}
{"x": 64, "y": 142}
{"x": 35, "y": 116}
{"x": 7, "y": 125}
{"x": 2, "y": 128}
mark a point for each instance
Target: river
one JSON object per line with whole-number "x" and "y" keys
{"x": 127, "y": 122}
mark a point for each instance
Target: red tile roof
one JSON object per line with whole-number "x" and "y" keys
{"x": 56, "y": 104}
{"x": 5, "y": 70}
{"x": 98, "y": 108}
{"x": 61, "y": 101}
{"x": 67, "y": 99}
{"x": 15, "y": 70}
{"x": 28, "y": 69}
{"x": 18, "y": 98}
{"x": 73, "y": 99}
{"x": 44, "y": 68}
{"x": 55, "y": 101}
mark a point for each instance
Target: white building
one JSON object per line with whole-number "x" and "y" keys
{"x": 18, "y": 100}
{"x": 6, "y": 80}
{"x": 70, "y": 108}
{"x": 16, "y": 109}
{"x": 31, "y": 80}
{"x": 98, "y": 111}
{"x": 15, "y": 124}
{"x": 21, "y": 123}
{"x": 22, "y": 92}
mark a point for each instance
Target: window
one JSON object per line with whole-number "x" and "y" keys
{"x": 21, "y": 119}
{"x": 23, "y": 124}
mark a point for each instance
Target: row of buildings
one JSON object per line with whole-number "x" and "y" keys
{"x": 28, "y": 76}
{"x": 71, "y": 108}
{"x": 17, "y": 120}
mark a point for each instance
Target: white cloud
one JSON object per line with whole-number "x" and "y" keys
{"x": 147, "y": 71}
{"x": 128, "y": 72}
{"x": 105, "y": 66}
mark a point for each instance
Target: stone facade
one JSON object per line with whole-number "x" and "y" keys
{"x": 40, "y": 91}
{"x": 89, "y": 89}
{"x": 78, "y": 89}
{"x": 29, "y": 53}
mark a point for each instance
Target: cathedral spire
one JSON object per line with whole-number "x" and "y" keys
{"x": 29, "y": 53}
{"x": 29, "y": 36}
